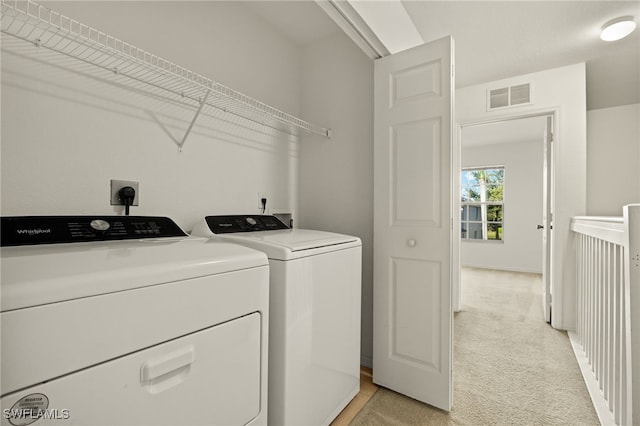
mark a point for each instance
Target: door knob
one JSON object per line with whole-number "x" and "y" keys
{"x": 411, "y": 243}
{"x": 540, "y": 227}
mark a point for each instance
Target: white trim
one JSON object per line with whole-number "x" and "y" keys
{"x": 366, "y": 360}
{"x": 612, "y": 230}
{"x": 543, "y": 112}
{"x": 349, "y": 21}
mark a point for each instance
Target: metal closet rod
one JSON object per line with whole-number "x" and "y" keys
{"x": 44, "y": 27}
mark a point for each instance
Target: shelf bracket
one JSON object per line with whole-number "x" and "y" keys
{"x": 193, "y": 121}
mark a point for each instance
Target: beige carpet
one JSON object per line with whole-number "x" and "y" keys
{"x": 510, "y": 367}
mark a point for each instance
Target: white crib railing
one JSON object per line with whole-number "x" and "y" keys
{"x": 607, "y": 335}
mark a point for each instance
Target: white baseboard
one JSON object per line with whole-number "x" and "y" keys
{"x": 366, "y": 360}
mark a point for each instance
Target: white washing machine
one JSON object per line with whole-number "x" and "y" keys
{"x": 314, "y": 331}
{"x": 128, "y": 321}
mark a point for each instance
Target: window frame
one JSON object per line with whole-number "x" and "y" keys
{"x": 464, "y": 220}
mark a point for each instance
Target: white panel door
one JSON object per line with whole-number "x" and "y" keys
{"x": 547, "y": 216}
{"x": 413, "y": 223}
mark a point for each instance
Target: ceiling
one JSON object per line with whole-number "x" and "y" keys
{"x": 496, "y": 40}
{"x": 300, "y": 21}
{"x": 500, "y": 39}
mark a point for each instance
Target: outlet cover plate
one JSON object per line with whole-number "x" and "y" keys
{"x": 116, "y": 185}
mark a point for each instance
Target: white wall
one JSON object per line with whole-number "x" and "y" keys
{"x": 613, "y": 159}
{"x": 336, "y": 175}
{"x": 562, "y": 91}
{"x": 66, "y": 134}
{"x": 521, "y": 248}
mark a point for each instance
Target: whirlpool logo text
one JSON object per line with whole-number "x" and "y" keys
{"x": 37, "y": 231}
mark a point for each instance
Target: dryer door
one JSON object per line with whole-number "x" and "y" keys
{"x": 208, "y": 377}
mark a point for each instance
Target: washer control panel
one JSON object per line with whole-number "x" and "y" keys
{"x": 243, "y": 223}
{"x": 30, "y": 230}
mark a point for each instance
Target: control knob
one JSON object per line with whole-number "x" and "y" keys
{"x": 99, "y": 226}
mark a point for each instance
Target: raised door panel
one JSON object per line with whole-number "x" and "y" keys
{"x": 415, "y": 173}
{"x": 416, "y": 283}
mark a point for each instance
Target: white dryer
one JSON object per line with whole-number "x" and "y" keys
{"x": 314, "y": 331}
{"x": 128, "y": 321}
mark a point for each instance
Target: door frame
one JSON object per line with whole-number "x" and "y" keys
{"x": 457, "y": 142}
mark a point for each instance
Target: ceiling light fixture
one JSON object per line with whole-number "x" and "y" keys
{"x": 618, "y": 28}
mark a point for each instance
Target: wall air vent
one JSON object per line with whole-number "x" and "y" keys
{"x": 499, "y": 98}
{"x": 509, "y": 96}
{"x": 520, "y": 94}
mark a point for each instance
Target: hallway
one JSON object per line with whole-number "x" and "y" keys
{"x": 510, "y": 367}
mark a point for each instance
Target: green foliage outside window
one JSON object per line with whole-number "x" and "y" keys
{"x": 482, "y": 203}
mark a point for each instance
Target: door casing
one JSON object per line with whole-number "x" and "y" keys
{"x": 548, "y": 284}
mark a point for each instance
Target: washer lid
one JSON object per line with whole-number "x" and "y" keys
{"x": 37, "y": 275}
{"x": 288, "y": 244}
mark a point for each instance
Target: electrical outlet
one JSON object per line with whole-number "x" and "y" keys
{"x": 262, "y": 195}
{"x": 116, "y": 185}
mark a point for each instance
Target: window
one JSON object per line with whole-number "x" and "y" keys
{"x": 482, "y": 203}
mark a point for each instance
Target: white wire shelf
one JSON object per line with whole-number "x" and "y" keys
{"x": 45, "y": 28}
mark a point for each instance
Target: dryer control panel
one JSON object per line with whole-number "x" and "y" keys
{"x": 243, "y": 223}
{"x": 31, "y": 230}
